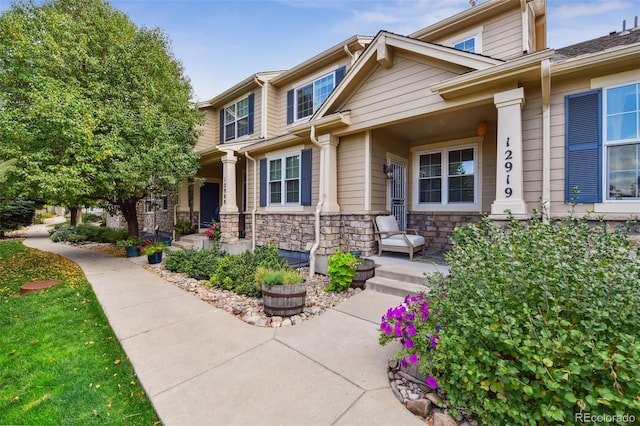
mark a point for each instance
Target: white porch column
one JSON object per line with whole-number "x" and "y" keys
{"x": 329, "y": 172}
{"x": 229, "y": 203}
{"x": 509, "y": 175}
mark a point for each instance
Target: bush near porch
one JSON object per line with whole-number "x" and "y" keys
{"x": 538, "y": 322}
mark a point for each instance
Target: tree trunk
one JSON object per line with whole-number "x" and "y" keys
{"x": 190, "y": 200}
{"x": 128, "y": 209}
{"x": 76, "y": 215}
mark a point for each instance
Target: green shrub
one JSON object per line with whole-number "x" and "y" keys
{"x": 539, "y": 322}
{"x": 198, "y": 264}
{"x": 16, "y": 213}
{"x": 185, "y": 228}
{"x": 237, "y": 272}
{"x": 91, "y": 218}
{"x": 341, "y": 267}
{"x": 86, "y": 232}
{"x": 179, "y": 260}
{"x": 60, "y": 232}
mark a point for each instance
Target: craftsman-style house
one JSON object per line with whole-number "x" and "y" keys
{"x": 471, "y": 115}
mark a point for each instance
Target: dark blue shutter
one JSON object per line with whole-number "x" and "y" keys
{"x": 340, "y": 74}
{"x": 251, "y": 101}
{"x": 583, "y": 147}
{"x": 263, "y": 182}
{"x": 222, "y": 126}
{"x": 290, "y": 106}
{"x": 305, "y": 177}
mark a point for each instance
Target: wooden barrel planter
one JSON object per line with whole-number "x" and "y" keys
{"x": 365, "y": 269}
{"x": 284, "y": 300}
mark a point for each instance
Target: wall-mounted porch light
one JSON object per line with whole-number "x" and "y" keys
{"x": 387, "y": 170}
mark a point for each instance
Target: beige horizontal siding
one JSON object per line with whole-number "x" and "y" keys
{"x": 208, "y": 137}
{"x": 351, "y": 171}
{"x": 395, "y": 94}
{"x": 502, "y": 36}
{"x": 489, "y": 164}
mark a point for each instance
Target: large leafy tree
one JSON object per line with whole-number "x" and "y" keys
{"x": 93, "y": 109}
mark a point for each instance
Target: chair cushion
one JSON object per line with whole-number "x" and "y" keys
{"x": 386, "y": 224}
{"x": 398, "y": 241}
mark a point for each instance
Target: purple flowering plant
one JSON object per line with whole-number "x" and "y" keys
{"x": 414, "y": 324}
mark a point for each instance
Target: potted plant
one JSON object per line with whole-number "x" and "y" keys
{"x": 132, "y": 246}
{"x": 341, "y": 269}
{"x": 283, "y": 290}
{"x": 153, "y": 250}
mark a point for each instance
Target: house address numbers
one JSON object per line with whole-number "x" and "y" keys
{"x": 508, "y": 166}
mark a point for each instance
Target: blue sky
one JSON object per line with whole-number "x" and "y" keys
{"x": 222, "y": 42}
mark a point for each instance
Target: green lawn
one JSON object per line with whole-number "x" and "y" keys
{"x": 60, "y": 362}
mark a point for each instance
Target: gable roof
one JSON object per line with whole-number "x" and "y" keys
{"x": 349, "y": 47}
{"x": 380, "y": 52}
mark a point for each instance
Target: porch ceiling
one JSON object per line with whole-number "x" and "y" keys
{"x": 447, "y": 125}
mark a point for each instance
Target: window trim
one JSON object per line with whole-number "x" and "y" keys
{"x": 313, "y": 95}
{"x": 283, "y": 156}
{"x": 607, "y": 144}
{"x": 148, "y": 204}
{"x": 235, "y": 122}
{"x": 444, "y": 149}
{"x": 475, "y": 34}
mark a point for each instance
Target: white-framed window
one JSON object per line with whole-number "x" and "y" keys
{"x": 236, "y": 120}
{"x": 622, "y": 142}
{"x": 309, "y": 97}
{"x": 284, "y": 179}
{"x": 447, "y": 176}
{"x": 468, "y": 45}
{"x": 148, "y": 204}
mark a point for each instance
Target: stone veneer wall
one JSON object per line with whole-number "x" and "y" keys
{"x": 163, "y": 219}
{"x": 296, "y": 232}
{"x": 437, "y": 228}
{"x": 229, "y": 227}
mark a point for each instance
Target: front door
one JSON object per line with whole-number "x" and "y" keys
{"x": 398, "y": 193}
{"x": 209, "y": 204}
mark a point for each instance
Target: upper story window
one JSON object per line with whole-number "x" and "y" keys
{"x": 236, "y": 120}
{"x": 622, "y": 142}
{"x": 468, "y": 45}
{"x": 310, "y": 97}
{"x": 448, "y": 176}
{"x": 303, "y": 101}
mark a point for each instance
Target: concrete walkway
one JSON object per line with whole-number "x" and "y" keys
{"x": 202, "y": 366}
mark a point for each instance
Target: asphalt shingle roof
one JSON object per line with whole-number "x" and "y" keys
{"x": 616, "y": 39}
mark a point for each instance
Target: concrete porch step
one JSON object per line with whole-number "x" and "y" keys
{"x": 398, "y": 276}
{"x": 180, "y": 245}
{"x": 394, "y": 287}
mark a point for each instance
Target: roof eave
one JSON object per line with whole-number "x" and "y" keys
{"x": 328, "y": 122}
{"x": 523, "y": 68}
{"x": 270, "y": 144}
{"x": 605, "y": 59}
{"x": 355, "y": 43}
{"x": 239, "y": 89}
